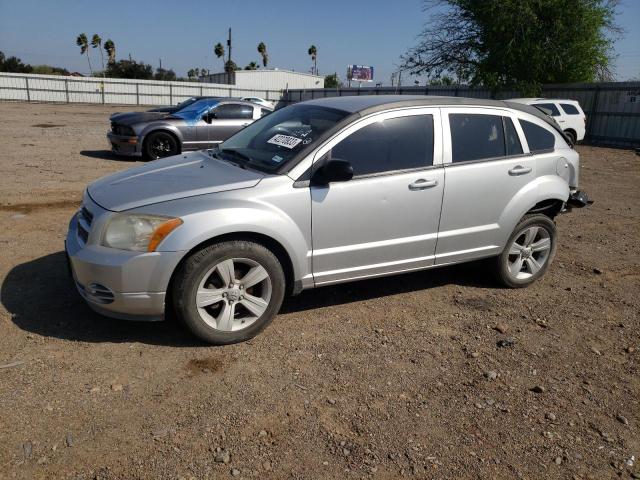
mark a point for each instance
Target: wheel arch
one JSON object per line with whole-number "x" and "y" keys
{"x": 281, "y": 253}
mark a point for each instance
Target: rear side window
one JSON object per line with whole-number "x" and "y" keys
{"x": 264, "y": 111}
{"x": 401, "y": 143}
{"x": 551, "y": 107}
{"x": 476, "y": 136}
{"x": 570, "y": 109}
{"x": 539, "y": 139}
{"x": 233, "y": 111}
{"x": 513, "y": 141}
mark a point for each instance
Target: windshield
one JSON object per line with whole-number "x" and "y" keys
{"x": 201, "y": 105}
{"x": 278, "y": 137}
{"x": 187, "y": 102}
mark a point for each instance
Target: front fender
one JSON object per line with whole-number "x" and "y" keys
{"x": 155, "y": 126}
{"x": 547, "y": 187}
{"x": 237, "y": 217}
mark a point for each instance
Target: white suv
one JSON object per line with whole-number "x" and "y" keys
{"x": 568, "y": 114}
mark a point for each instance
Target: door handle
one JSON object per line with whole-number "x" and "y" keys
{"x": 519, "y": 170}
{"x": 422, "y": 184}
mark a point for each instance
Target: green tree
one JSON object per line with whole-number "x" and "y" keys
{"x": 164, "y": 74}
{"x": 96, "y": 42}
{"x": 230, "y": 66}
{"x": 49, "y": 70}
{"x": 262, "y": 50}
{"x": 83, "y": 43}
{"x": 130, "y": 69}
{"x": 218, "y": 49}
{"x": 332, "y": 81}
{"x": 13, "y": 65}
{"x": 110, "y": 48}
{"x": 313, "y": 51}
{"x": 251, "y": 66}
{"x": 519, "y": 44}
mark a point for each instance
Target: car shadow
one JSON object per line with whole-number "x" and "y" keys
{"x": 107, "y": 155}
{"x": 42, "y": 299}
{"x": 472, "y": 274}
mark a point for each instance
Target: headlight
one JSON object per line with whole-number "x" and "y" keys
{"x": 140, "y": 233}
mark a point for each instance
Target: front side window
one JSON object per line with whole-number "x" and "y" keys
{"x": 570, "y": 109}
{"x": 233, "y": 111}
{"x": 401, "y": 143}
{"x": 539, "y": 139}
{"x": 264, "y": 111}
{"x": 476, "y": 136}
{"x": 548, "y": 107}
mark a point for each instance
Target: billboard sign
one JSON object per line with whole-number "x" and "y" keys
{"x": 360, "y": 73}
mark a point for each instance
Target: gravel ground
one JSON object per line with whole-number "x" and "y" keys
{"x": 388, "y": 378}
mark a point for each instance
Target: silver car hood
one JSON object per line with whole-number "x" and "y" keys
{"x": 187, "y": 175}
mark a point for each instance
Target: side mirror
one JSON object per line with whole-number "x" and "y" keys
{"x": 334, "y": 170}
{"x": 207, "y": 117}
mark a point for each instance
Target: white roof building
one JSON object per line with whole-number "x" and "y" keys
{"x": 263, "y": 79}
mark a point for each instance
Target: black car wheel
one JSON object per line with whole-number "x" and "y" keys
{"x": 159, "y": 145}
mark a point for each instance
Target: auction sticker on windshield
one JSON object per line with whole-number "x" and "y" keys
{"x": 284, "y": 141}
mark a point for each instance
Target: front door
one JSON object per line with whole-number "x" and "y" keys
{"x": 224, "y": 120}
{"x": 385, "y": 219}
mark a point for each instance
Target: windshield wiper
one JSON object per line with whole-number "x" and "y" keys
{"x": 237, "y": 154}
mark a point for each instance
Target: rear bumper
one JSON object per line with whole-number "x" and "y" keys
{"x": 125, "y": 145}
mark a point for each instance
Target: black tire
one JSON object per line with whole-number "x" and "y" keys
{"x": 507, "y": 259}
{"x": 160, "y": 145}
{"x": 194, "y": 270}
{"x": 571, "y": 135}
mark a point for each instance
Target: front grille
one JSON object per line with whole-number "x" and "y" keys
{"x": 85, "y": 219}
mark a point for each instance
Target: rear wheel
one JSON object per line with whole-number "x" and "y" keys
{"x": 529, "y": 251}
{"x": 229, "y": 292}
{"x": 160, "y": 145}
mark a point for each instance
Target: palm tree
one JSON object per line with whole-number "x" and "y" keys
{"x": 218, "y": 49}
{"x": 196, "y": 72}
{"x": 262, "y": 50}
{"x": 96, "y": 42}
{"x": 110, "y": 48}
{"x": 313, "y": 51}
{"x": 191, "y": 73}
{"x": 83, "y": 43}
{"x": 251, "y": 66}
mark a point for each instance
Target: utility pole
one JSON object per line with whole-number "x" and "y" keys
{"x": 160, "y": 63}
{"x": 229, "y": 58}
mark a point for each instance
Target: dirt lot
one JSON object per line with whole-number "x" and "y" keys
{"x": 379, "y": 379}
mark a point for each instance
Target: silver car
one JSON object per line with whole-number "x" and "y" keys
{"x": 199, "y": 124}
{"x": 323, "y": 192}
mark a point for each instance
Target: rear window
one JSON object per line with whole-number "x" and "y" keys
{"x": 539, "y": 139}
{"x": 476, "y": 136}
{"x": 570, "y": 109}
{"x": 551, "y": 107}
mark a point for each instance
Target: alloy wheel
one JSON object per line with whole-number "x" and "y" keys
{"x": 529, "y": 252}
{"x": 233, "y": 294}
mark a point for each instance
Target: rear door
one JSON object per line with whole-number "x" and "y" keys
{"x": 385, "y": 219}
{"x": 226, "y": 119}
{"x": 486, "y": 166}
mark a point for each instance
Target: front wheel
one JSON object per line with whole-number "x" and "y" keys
{"x": 228, "y": 292}
{"x": 529, "y": 252}
{"x": 160, "y": 145}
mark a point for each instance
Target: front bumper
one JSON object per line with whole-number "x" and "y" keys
{"x": 118, "y": 283}
{"x": 124, "y": 145}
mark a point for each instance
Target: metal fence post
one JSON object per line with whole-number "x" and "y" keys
{"x": 26, "y": 79}
{"x": 137, "y": 94}
{"x": 66, "y": 89}
{"x": 102, "y": 90}
{"x": 200, "y": 90}
{"x": 592, "y": 114}
{"x": 170, "y": 94}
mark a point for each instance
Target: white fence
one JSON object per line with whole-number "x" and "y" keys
{"x": 52, "y": 88}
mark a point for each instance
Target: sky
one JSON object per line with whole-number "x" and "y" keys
{"x": 183, "y": 33}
